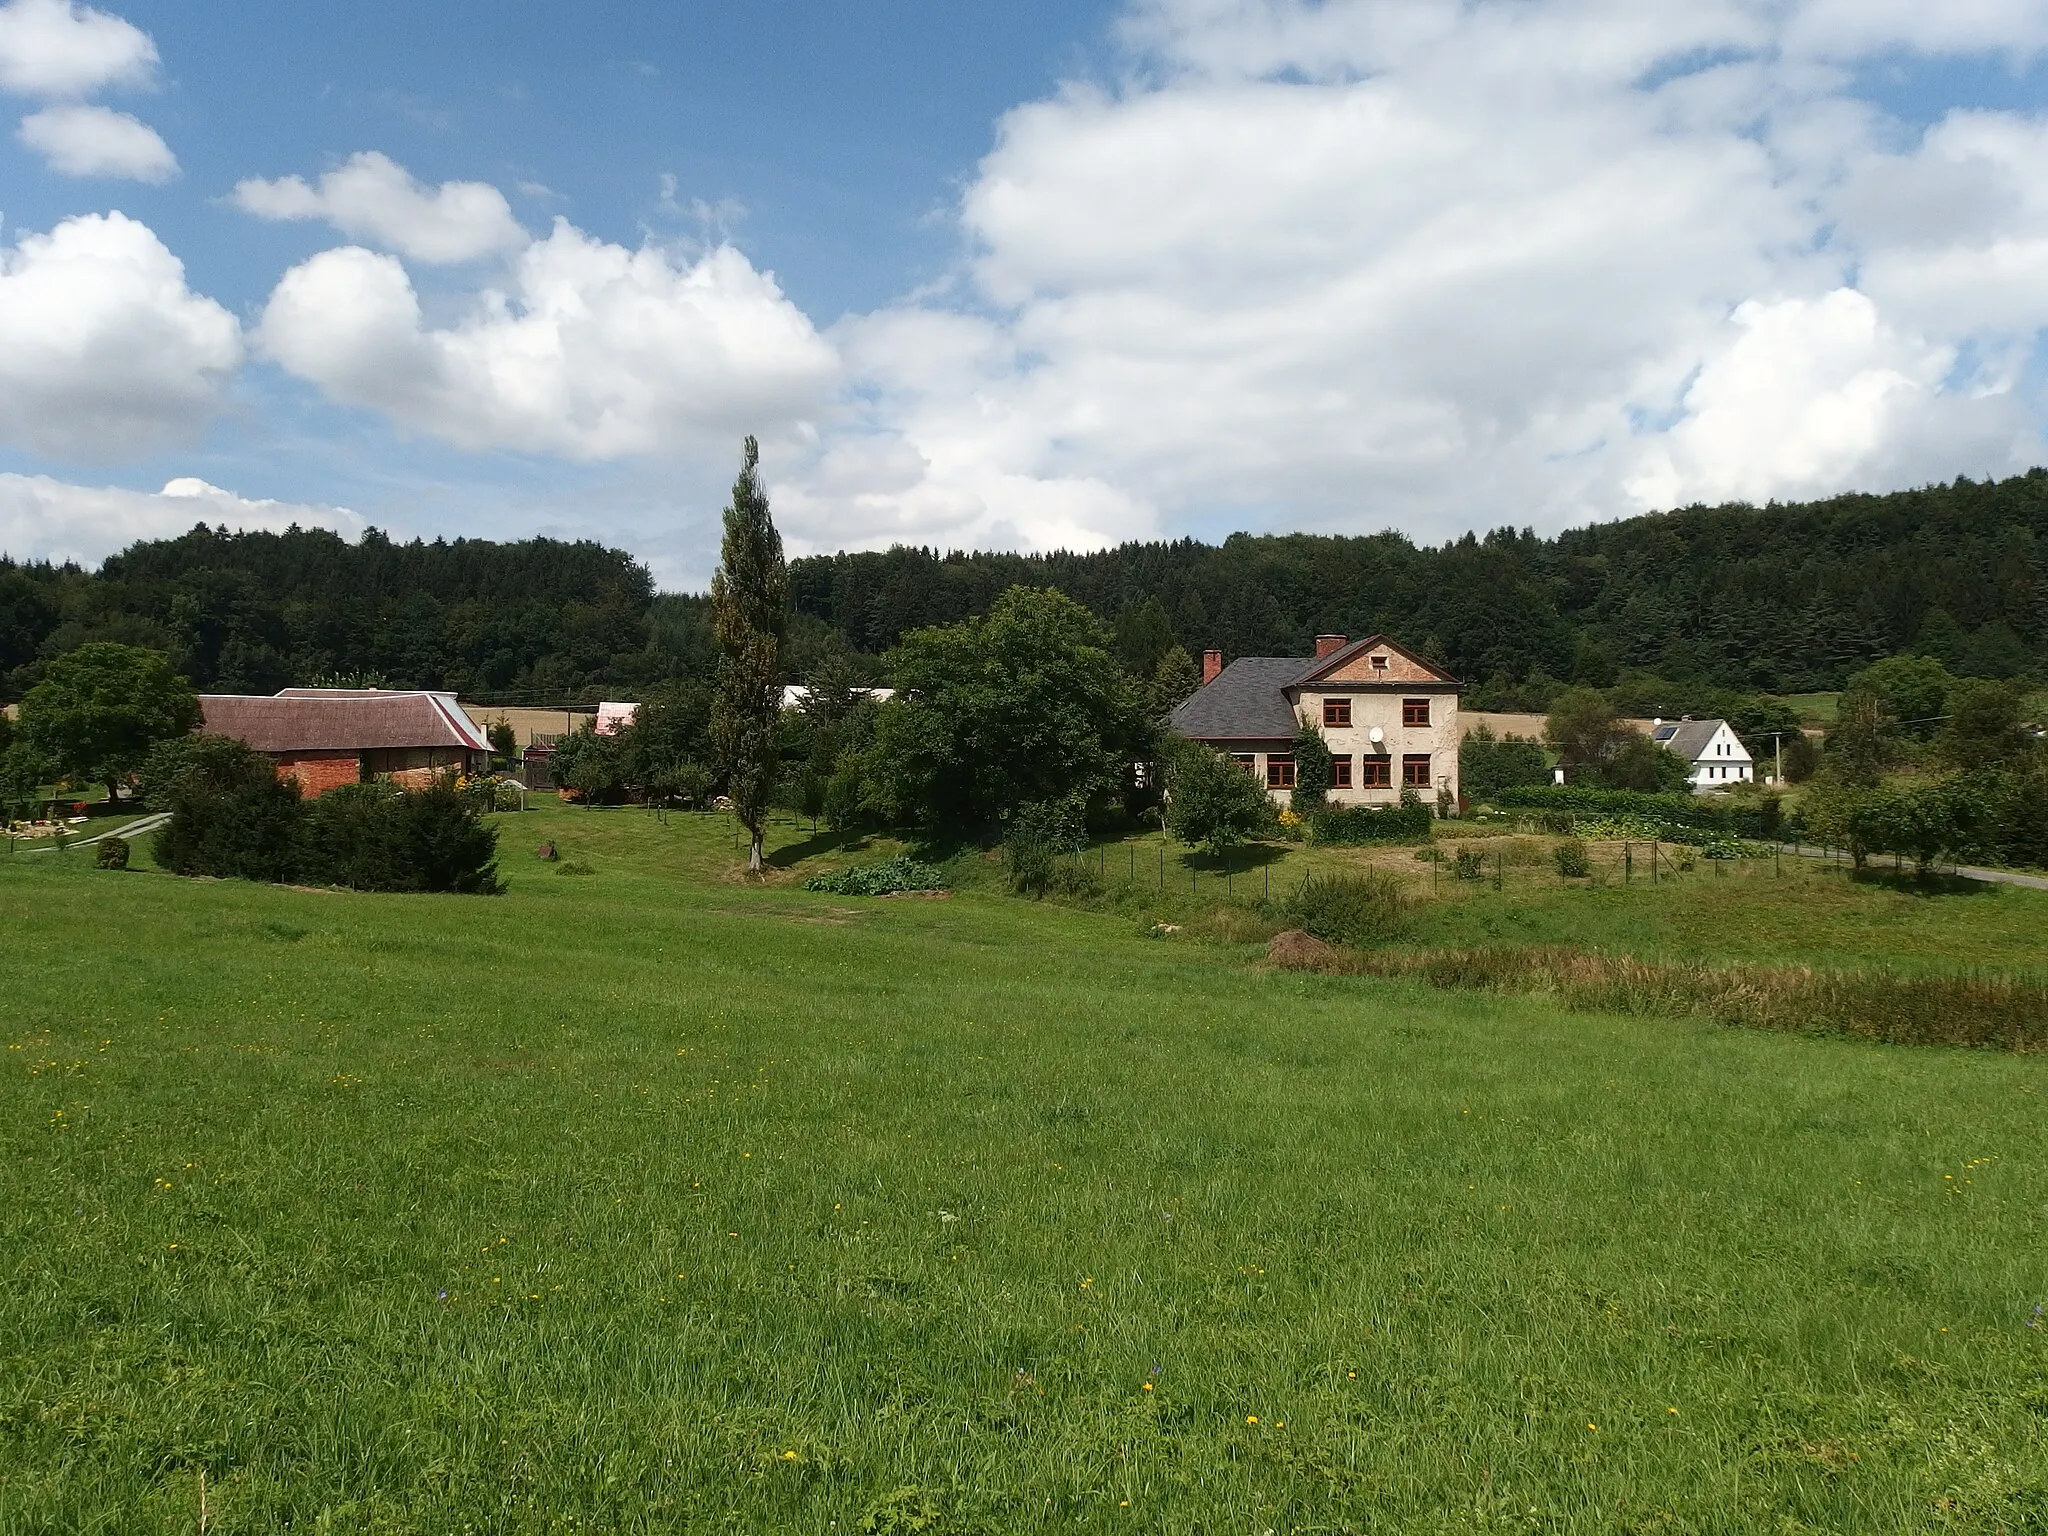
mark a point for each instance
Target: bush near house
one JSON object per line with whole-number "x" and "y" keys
{"x": 380, "y": 837}
{"x": 233, "y": 818}
{"x": 1355, "y": 825}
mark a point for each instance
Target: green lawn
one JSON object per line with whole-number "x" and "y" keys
{"x": 1813, "y": 708}
{"x": 648, "y": 1200}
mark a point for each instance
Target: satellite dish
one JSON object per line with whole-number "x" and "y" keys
{"x": 1375, "y": 735}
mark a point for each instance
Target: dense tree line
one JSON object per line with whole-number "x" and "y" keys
{"x": 540, "y": 619}
{"x": 1784, "y": 598}
{"x": 1669, "y": 607}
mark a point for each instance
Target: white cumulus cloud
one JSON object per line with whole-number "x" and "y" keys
{"x": 46, "y": 519}
{"x": 593, "y": 351}
{"x": 104, "y": 350}
{"x": 62, "y": 48}
{"x": 1438, "y": 264}
{"x": 98, "y": 141}
{"x": 373, "y": 199}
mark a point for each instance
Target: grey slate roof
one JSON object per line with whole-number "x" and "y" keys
{"x": 1245, "y": 703}
{"x": 1686, "y": 738}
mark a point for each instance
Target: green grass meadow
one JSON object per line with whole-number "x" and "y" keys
{"x": 646, "y": 1200}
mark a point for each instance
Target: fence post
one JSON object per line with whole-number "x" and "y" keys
{"x": 1268, "y": 868}
{"x": 1499, "y": 870}
{"x": 1628, "y": 860}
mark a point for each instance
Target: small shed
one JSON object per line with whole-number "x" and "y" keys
{"x": 325, "y": 737}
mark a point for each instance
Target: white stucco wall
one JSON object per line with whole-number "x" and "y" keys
{"x": 1725, "y": 763}
{"x": 1381, "y": 706}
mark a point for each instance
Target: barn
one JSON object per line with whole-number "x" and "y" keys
{"x": 325, "y": 737}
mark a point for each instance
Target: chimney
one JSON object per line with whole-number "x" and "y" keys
{"x": 1330, "y": 645}
{"x": 1212, "y": 663}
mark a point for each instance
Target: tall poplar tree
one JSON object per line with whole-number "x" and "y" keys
{"x": 749, "y": 614}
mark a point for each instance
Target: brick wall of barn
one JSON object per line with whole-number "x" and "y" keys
{"x": 318, "y": 772}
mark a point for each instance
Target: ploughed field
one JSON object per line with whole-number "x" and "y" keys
{"x": 642, "y": 1199}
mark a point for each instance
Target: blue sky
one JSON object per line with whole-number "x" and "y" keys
{"x": 1007, "y": 276}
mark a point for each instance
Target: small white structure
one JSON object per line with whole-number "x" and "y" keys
{"x": 794, "y": 694}
{"x": 1711, "y": 750}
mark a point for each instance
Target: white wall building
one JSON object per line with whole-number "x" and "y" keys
{"x": 1711, "y": 750}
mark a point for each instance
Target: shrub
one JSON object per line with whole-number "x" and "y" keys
{"x": 1488, "y": 764}
{"x": 1572, "y": 860}
{"x": 1349, "y": 909}
{"x": 1037, "y": 834}
{"x": 1470, "y": 864}
{"x": 378, "y": 837}
{"x": 231, "y": 816}
{"x": 1212, "y": 801}
{"x": 113, "y": 853}
{"x": 1313, "y": 772}
{"x": 901, "y": 873}
{"x": 1352, "y": 825}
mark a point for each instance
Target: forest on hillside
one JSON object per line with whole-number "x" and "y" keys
{"x": 1784, "y": 598}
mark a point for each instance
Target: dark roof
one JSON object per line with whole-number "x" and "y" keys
{"x": 340, "y": 720}
{"x": 1686, "y": 738}
{"x": 1245, "y": 703}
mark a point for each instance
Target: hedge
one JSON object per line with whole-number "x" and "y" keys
{"x": 1758, "y": 819}
{"x": 1349, "y": 825}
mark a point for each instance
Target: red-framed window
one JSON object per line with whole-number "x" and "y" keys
{"x": 1340, "y": 772}
{"x": 1279, "y": 770}
{"x": 1337, "y": 714}
{"x": 1415, "y": 770}
{"x": 1415, "y": 711}
{"x": 1248, "y": 761}
{"x": 1374, "y": 773}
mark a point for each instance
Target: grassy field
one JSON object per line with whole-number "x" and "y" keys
{"x": 643, "y": 1199}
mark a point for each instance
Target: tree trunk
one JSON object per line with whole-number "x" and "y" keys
{"x": 754, "y": 851}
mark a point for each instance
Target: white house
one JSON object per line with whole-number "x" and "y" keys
{"x": 1710, "y": 748}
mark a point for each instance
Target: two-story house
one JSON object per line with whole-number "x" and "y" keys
{"x": 1389, "y": 718}
{"x": 1710, "y": 749}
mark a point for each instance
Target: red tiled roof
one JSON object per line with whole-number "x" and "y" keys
{"x": 340, "y": 720}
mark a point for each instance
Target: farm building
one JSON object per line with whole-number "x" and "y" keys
{"x": 325, "y": 737}
{"x": 1390, "y": 719}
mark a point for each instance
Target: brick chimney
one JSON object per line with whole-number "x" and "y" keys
{"x": 1212, "y": 663}
{"x": 1330, "y": 645}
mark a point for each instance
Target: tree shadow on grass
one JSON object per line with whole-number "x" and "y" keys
{"x": 819, "y": 842}
{"x": 1934, "y": 883}
{"x": 1245, "y": 856}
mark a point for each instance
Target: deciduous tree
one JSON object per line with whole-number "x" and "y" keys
{"x": 100, "y": 709}
{"x": 1023, "y": 705}
{"x": 1211, "y": 801}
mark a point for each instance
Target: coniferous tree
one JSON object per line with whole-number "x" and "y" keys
{"x": 750, "y": 614}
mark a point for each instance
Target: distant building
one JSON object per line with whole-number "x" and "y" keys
{"x": 794, "y": 694}
{"x": 614, "y": 718}
{"x": 1390, "y": 718}
{"x": 1710, "y": 749}
{"x": 325, "y": 737}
